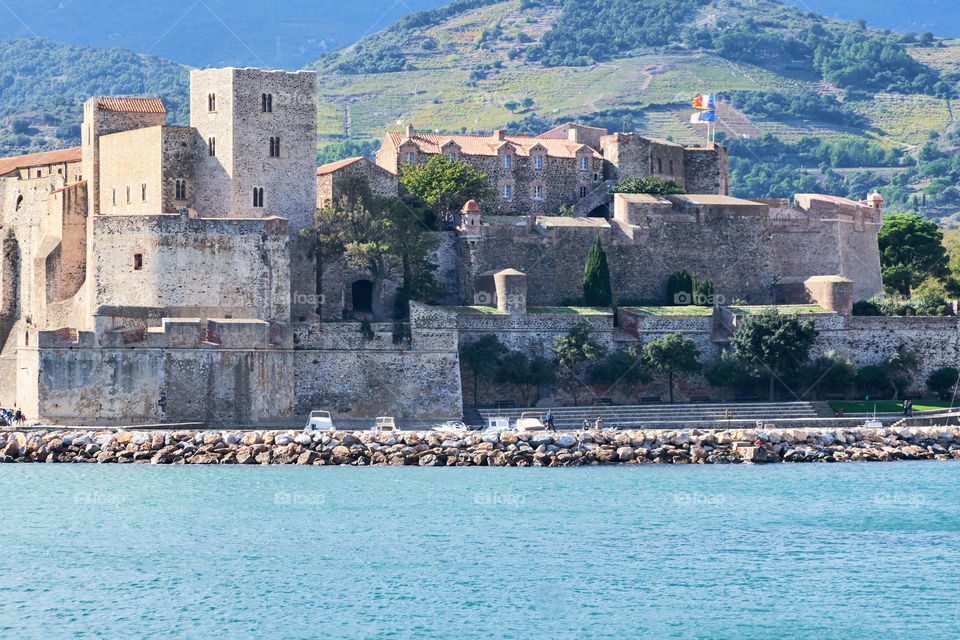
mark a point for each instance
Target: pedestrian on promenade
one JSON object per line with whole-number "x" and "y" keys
{"x": 549, "y": 420}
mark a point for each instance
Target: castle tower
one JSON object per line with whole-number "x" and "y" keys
{"x": 470, "y": 220}
{"x": 262, "y": 126}
{"x": 102, "y": 116}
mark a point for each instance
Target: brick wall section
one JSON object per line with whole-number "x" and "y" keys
{"x": 192, "y": 267}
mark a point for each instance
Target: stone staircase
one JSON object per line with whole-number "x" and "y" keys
{"x": 652, "y": 415}
{"x": 598, "y": 196}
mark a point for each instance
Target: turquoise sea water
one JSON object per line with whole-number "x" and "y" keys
{"x": 780, "y": 551}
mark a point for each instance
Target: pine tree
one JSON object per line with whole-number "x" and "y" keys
{"x": 596, "y": 278}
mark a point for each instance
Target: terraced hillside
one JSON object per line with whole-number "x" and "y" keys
{"x": 467, "y": 69}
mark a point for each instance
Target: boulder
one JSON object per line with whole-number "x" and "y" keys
{"x": 625, "y": 454}
{"x": 304, "y": 439}
{"x": 307, "y": 457}
{"x": 566, "y": 441}
{"x": 508, "y": 437}
{"x": 252, "y": 438}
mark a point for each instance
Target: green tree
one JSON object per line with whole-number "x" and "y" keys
{"x": 943, "y": 382}
{"x": 872, "y": 380}
{"x": 572, "y": 352}
{"x": 730, "y": 373}
{"x": 680, "y": 289}
{"x": 526, "y": 103}
{"x": 672, "y": 354}
{"x": 830, "y": 371}
{"x": 410, "y": 241}
{"x": 444, "y": 184}
{"x": 900, "y": 368}
{"x": 911, "y": 249}
{"x": 622, "y": 365}
{"x": 514, "y": 369}
{"x": 482, "y": 359}
{"x": 511, "y": 106}
{"x": 596, "y": 278}
{"x": 777, "y": 344}
{"x": 647, "y": 184}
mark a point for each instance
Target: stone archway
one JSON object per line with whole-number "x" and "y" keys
{"x": 361, "y": 294}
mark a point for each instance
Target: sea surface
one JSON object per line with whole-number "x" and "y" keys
{"x": 653, "y": 551}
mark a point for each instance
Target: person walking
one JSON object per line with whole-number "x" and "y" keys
{"x": 549, "y": 420}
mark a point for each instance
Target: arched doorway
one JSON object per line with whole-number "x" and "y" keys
{"x": 362, "y": 296}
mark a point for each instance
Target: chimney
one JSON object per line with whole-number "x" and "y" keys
{"x": 409, "y": 130}
{"x": 573, "y": 134}
{"x": 498, "y": 134}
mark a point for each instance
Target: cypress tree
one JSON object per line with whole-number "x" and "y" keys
{"x": 596, "y": 278}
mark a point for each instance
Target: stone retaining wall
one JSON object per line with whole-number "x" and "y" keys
{"x": 433, "y": 448}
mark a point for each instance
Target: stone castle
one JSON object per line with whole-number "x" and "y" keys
{"x": 156, "y": 273}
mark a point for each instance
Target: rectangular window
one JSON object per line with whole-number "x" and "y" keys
{"x": 114, "y": 200}
{"x": 451, "y": 157}
{"x": 143, "y": 192}
{"x": 584, "y": 164}
{"x": 212, "y": 146}
{"x": 538, "y": 162}
{"x": 583, "y": 192}
{"x": 538, "y": 192}
{"x": 410, "y": 157}
{"x": 128, "y": 194}
{"x": 137, "y": 261}
{"x": 506, "y": 162}
{"x": 506, "y": 192}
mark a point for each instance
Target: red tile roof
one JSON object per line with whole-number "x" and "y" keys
{"x": 340, "y": 164}
{"x": 547, "y": 134}
{"x": 475, "y": 145}
{"x": 39, "y": 159}
{"x": 138, "y": 105}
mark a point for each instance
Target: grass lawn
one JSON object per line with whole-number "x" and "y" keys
{"x": 886, "y": 406}
{"x": 580, "y": 311}
{"x": 685, "y": 310}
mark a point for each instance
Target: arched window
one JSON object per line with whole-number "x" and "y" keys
{"x": 275, "y": 146}
{"x": 266, "y": 102}
{"x": 19, "y": 201}
{"x": 211, "y": 102}
{"x": 212, "y": 146}
{"x": 143, "y": 192}
{"x": 258, "y": 197}
{"x": 128, "y": 194}
{"x": 181, "y": 186}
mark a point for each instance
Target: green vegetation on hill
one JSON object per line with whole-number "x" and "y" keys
{"x": 43, "y": 86}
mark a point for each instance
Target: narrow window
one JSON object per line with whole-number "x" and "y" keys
{"x": 538, "y": 162}
{"x": 538, "y": 192}
{"x": 266, "y": 102}
{"x": 143, "y": 192}
{"x": 275, "y": 146}
{"x": 181, "y": 189}
{"x": 211, "y": 102}
{"x": 584, "y": 164}
{"x": 137, "y": 261}
{"x": 128, "y": 194}
{"x": 583, "y": 192}
{"x": 506, "y": 192}
{"x": 506, "y": 162}
{"x": 19, "y": 201}
{"x": 59, "y": 172}
{"x": 409, "y": 157}
{"x": 114, "y": 200}
{"x": 451, "y": 157}
{"x": 212, "y": 146}
{"x": 659, "y": 165}
{"x": 671, "y": 167}
{"x": 258, "y": 197}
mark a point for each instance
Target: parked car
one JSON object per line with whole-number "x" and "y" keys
{"x": 530, "y": 421}
{"x": 319, "y": 421}
{"x": 384, "y": 423}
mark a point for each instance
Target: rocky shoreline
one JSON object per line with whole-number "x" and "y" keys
{"x": 433, "y": 449}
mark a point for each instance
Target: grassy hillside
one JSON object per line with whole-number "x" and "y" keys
{"x": 43, "y": 85}
{"x": 789, "y": 73}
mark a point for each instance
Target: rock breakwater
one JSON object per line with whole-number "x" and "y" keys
{"x": 435, "y": 448}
